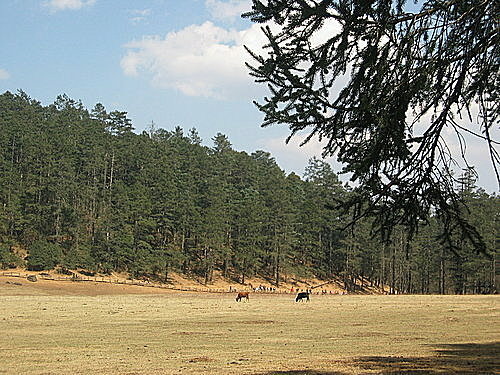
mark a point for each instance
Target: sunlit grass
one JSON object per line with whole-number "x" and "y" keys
{"x": 211, "y": 333}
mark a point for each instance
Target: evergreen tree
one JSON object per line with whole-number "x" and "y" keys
{"x": 406, "y": 69}
{"x": 80, "y": 189}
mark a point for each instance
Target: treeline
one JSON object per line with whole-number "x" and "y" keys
{"x": 80, "y": 189}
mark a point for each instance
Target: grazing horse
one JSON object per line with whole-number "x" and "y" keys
{"x": 301, "y": 296}
{"x": 242, "y": 295}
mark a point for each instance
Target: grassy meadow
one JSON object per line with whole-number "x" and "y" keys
{"x": 201, "y": 333}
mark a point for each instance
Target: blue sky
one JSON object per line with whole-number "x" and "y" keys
{"x": 173, "y": 62}
{"x": 85, "y": 49}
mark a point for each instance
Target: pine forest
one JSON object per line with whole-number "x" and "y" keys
{"x": 80, "y": 189}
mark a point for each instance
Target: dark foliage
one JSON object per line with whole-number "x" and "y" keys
{"x": 81, "y": 190}
{"x": 381, "y": 89}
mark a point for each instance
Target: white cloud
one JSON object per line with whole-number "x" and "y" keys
{"x": 471, "y": 150}
{"x": 199, "y": 60}
{"x": 57, "y": 5}
{"x": 465, "y": 149}
{"x": 4, "y": 74}
{"x": 141, "y": 12}
{"x": 139, "y": 15}
{"x": 328, "y": 29}
{"x": 227, "y": 10}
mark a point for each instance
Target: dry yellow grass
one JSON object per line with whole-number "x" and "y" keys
{"x": 197, "y": 333}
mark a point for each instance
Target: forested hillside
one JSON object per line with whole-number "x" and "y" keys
{"x": 80, "y": 189}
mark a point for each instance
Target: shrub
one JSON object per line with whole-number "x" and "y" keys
{"x": 7, "y": 258}
{"x": 43, "y": 255}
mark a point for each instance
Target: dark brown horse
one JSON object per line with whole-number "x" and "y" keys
{"x": 242, "y": 295}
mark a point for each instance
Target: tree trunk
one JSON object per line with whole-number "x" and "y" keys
{"x": 277, "y": 272}
{"x": 205, "y": 256}
{"x": 276, "y": 259}
{"x": 408, "y": 287}
{"x": 382, "y": 267}
{"x": 167, "y": 266}
{"x": 493, "y": 274}
{"x": 184, "y": 252}
{"x": 441, "y": 273}
{"x": 393, "y": 270}
{"x": 111, "y": 173}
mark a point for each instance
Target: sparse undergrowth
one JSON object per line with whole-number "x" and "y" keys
{"x": 289, "y": 284}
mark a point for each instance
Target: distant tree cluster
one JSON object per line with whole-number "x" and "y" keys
{"x": 80, "y": 189}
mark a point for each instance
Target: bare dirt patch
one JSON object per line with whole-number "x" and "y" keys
{"x": 75, "y": 282}
{"x": 19, "y": 286}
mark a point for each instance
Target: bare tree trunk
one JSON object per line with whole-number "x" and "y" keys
{"x": 277, "y": 271}
{"x": 382, "y": 267}
{"x": 493, "y": 269}
{"x": 243, "y": 272}
{"x": 184, "y": 252}
{"x": 205, "y": 256}
{"x": 276, "y": 259}
{"x": 393, "y": 270}
{"x": 111, "y": 173}
{"x": 408, "y": 288}
{"x": 493, "y": 275}
{"x": 330, "y": 260}
{"x": 167, "y": 266}
{"x": 226, "y": 255}
{"x": 441, "y": 273}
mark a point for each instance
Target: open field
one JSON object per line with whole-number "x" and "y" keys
{"x": 75, "y": 332}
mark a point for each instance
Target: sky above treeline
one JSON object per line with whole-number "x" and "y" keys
{"x": 167, "y": 62}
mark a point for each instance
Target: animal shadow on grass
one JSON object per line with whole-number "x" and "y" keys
{"x": 303, "y": 372}
{"x": 448, "y": 359}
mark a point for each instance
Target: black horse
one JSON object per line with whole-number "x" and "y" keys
{"x": 301, "y": 296}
